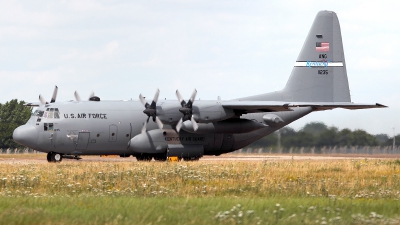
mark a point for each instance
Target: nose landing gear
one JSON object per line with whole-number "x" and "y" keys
{"x": 57, "y": 157}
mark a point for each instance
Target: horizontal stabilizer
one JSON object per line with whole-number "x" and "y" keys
{"x": 345, "y": 105}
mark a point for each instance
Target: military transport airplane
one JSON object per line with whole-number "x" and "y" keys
{"x": 191, "y": 129}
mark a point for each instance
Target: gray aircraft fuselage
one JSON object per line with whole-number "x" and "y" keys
{"x": 107, "y": 127}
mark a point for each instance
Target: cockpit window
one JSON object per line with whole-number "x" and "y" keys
{"x": 50, "y": 113}
{"x": 38, "y": 113}
{"x": 56, "y": 114}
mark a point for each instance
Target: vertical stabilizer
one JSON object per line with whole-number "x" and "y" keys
{"x": 319, "y": 73}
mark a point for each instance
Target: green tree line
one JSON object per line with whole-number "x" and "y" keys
{"x": 12, "y": 115}
{"x": 317, "y": 134}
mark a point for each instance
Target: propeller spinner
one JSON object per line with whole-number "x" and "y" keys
{"x": 151, "y": 111}
{"x": 186, "y": 110}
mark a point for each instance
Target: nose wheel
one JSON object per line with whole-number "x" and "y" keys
{"x": 54, "y": 157}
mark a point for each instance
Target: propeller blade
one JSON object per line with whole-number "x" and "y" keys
{"x": 183, "y": 103}
{"x": 155, "y": 99}
{"x": 143, "y": 100}
{"x": 194, "y": 123}
{"x": 54, "y": 97}
{"x": 159, "y": 123}
{"x": 77, "y": 97}
{"x": 91, "y": 94}
{"x": 179, "y": 125}
{"x": 193, "y": 96}
{"x": 42, "y": 100}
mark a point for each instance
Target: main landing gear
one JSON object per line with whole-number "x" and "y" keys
{"x": 54, "y": 157}
{"x": 162, "y": 157}
{"x": 193, "y": 158}
{"x": 148, "y": 157}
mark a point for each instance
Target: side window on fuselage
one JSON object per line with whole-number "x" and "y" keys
{"x": 48, "y": 127}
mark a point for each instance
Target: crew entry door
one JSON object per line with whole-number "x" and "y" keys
{"x": 83, "y": 140}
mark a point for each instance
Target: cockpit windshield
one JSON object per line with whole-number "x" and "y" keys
{"x": 50, "y": 113}
{"x": 38, "y": 113}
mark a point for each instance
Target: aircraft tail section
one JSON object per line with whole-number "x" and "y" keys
{"x": 319, "y": 73}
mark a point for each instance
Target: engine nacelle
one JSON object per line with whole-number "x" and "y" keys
{"x": 231, "y": 126}
{"x": 211, "y": 111}
{"x": 149, "y": 142}
{"x": 203, "y": 112}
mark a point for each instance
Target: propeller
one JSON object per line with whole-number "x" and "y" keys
{"x": 186, "y": 110}
{"x": 53, "y": 98}
{"x": 151, "y": 111}
{"x": 78, "y": 98}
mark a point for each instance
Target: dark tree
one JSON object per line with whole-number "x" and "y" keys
{"x": 328, "y": 137}
{"x": 362, "y": 138}
{"x": 314, "y": 128}
{"x": 382, "y": 139}
{"x": 12, "y": 115}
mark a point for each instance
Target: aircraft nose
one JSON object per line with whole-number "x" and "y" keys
{"x": 26, "y": 135}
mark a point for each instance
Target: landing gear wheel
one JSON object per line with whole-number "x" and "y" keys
{"x": 54, "y": 157}
{"x": 160, "y": 157}
{"x": 144, "y": 157}
{"x": 49, "y": 157}
{"x": 194, "y": 158}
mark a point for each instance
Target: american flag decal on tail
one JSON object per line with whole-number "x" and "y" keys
{"x": 322, "y": 46}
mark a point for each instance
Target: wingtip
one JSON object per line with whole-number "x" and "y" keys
{"x": 381, "y": 106}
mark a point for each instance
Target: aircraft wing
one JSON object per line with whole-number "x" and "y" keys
{"x": 268, "y": 106}
{"x": 33, "y": 104}
{"x": 256, "y": 106}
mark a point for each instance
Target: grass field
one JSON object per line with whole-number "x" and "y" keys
{"x": 285, "y": 192}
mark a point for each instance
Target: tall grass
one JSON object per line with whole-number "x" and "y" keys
{"x": 365, "y": 179}
{"x": 273, "y": 192}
